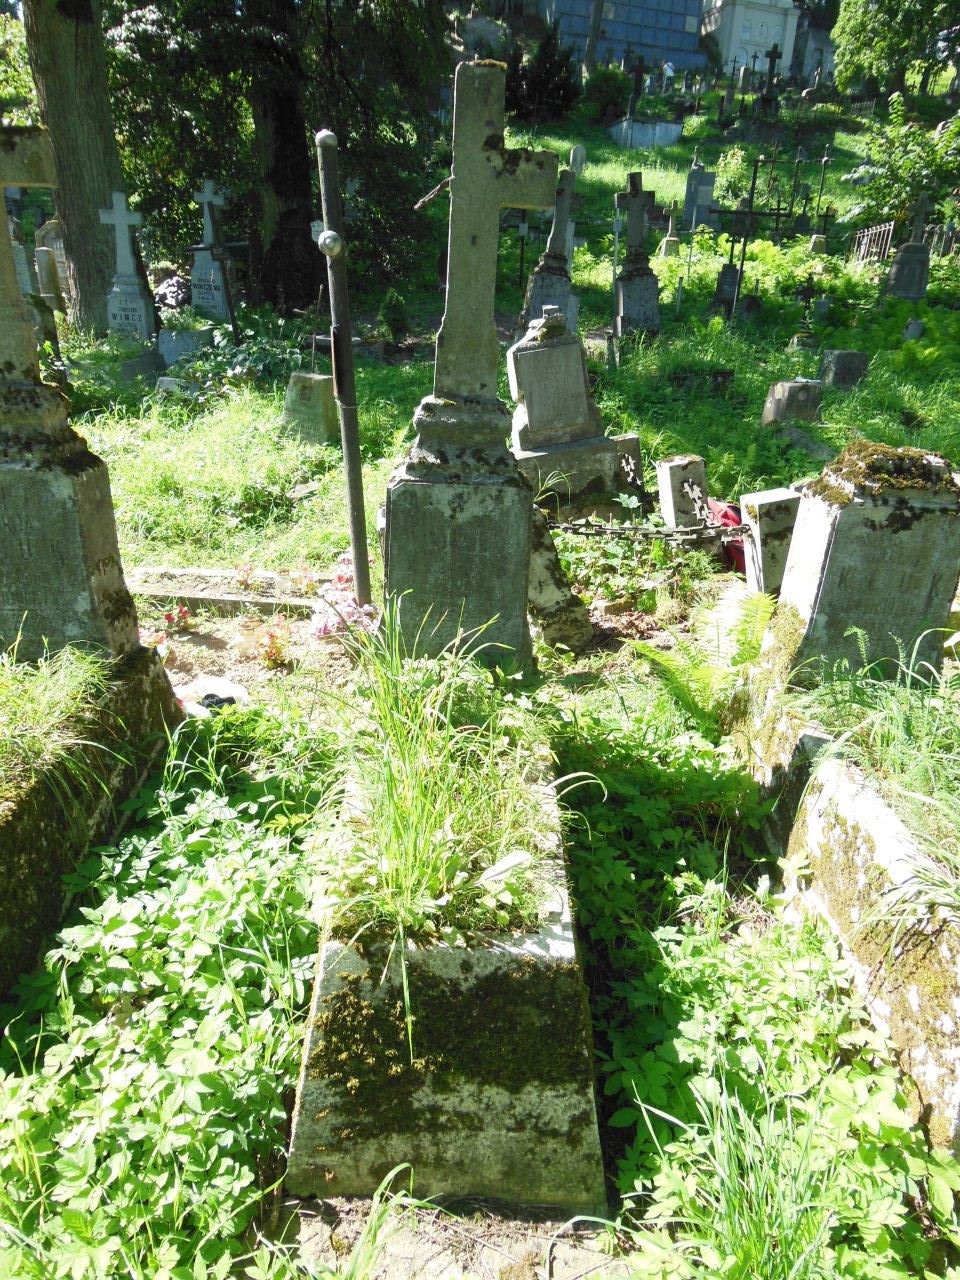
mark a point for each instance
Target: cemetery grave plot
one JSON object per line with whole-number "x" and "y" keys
{"x": 748, "y": 1105}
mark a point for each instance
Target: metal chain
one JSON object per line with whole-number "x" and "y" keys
{"x": 706, "y": 532}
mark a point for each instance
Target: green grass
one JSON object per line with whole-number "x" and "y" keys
{"x": 42, "y": 708}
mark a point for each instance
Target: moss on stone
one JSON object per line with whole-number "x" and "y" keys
{"x": 866, "y": 466}
{"x": 523, "y": 1023}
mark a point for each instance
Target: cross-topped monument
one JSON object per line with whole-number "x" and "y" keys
{"x": 772, "y": 56}
{"x": 210, "y": 286}
{"x": 638, "y": 293}
{"x": 549, "y": 283}
{"x": 60, "y": 576}
{"x": 458, "y": 513}
{"x": 26, "y": 160}
{"x": 486, "y": 177}
{"x": 129, "y": 305}
{"x": 210, "y": 198}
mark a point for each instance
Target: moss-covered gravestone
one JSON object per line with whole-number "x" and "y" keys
{"x": 458, "y": 512}
{"x": 494, "y": 1100}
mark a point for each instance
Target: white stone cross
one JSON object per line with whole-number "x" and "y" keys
{"x": 123, "y": 221}
{"x": 484, "y": 179}
{"x": 209, "y": 198}
{"x": 26, "y": 160}
{"x": 557, "y": 241}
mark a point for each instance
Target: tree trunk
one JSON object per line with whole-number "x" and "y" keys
{"x": 65, "y": 46}
{"x": 286, "y": 260}
{"x": 593, "y": 37}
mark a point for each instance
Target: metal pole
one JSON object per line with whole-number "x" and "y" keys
{"x": 341, "y": 349}
{"x": 743, "y": 247}
{"x": 617, "y": 221}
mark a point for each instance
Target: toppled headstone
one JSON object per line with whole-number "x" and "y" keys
{"x": 458, "y": 512}
{"x": 874, "y": 560}
{"x": 558, "y": 437}
{"x": 770, "y": 517}
{"x": 638, "y": 290}
{"x": 549, "y": 283}
{"x": 129, "y": 304}
{"x": 795, "y": 400}
{"x": 843, "y": 369}
{"x": 311, "y": 409}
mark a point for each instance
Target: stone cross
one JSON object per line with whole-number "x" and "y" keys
{"x": 123, "y": 221}
{"x": 209, "y": 198}
{"x": 485, "y": 178}
{"x": 26, "y": 160}
{"x": 920, "y": 218}
{"x": 773, "y": 56}
{"x": 634, "y": 200}
{"x": 557, "y": 242}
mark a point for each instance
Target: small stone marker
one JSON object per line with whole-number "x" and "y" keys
{"x": 796, "y": 400}
{"x": 670, "y": 244}
{"x": 843, "y": 369}
{"x": 311, "y": 408}
{"x": 910, "y": 270}
{"x": 578, "y": 159}
{"x": 770, "y": 517}
{"x": 726, "y": 287}
{"x": 876, "y": 547}
{"x": 558, "y": 436}
{"x": 682, "y": 490}
{"x": 206, "y": 276}
{"x": 698, "y": 197}
{"x": 457, "y": 535}
{"x": 49, "y": 236}
{"x": 129, "y": 304}
{"x": 638, "y": 290}
{"x": 549, "y": 283}
{"x": 48, "y": 279}
{"x": 61, "y": 581}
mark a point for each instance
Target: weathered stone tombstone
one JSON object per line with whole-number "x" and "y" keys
{"x": 558, "y": 437}
{"x": 26, "y": 278}
{"x": 910, "y": 270}
{"x": 670, "y": 244}
{"x": 638, "y": 290}
{"x": 129, "y": 304}
{"x": 310, "y": 408}
{"x": 843, "y": 369}
{"x": 793, "y": 400}
{"x": 578, "y": 159}
{"x": 61, "y": 581}
{"x": 874, "y": 559}
{"x": 207, "y": 275}
{"x": 549, "y": 283}
{"x": 48, "y": 279}
{"x": 727, "y": 286}
{"x": 682, "y": 490}
{"x": 49, "y": 236}
{"x": 698, "y": 198}
{"x": 458, "y": 512}
{"x": 770, "y": 517}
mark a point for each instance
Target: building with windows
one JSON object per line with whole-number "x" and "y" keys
{"x": 657, "y": 30}
{"x": 744, "y": 28}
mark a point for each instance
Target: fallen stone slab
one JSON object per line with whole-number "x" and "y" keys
{"x": 218, "y": 590}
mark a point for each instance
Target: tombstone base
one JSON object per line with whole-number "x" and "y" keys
{"x": 61, "y": 581}
{"x": 571, "y": 471}
{"x": 669, "y": 247}
{"x": 549, "y": 286}
{"x": 726, "y": 288}
{"x": 562, "y": 618}
{"x": 457, "y": 535}
{"x": 638, "y": 303}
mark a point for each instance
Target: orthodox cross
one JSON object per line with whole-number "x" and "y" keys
{"x": 123, "y": 220}
{"x": 638, "y": 204}
{"x": 26, "y": 160}
{"x": 485, "y": 178}
{"x": 209, "y": 198}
